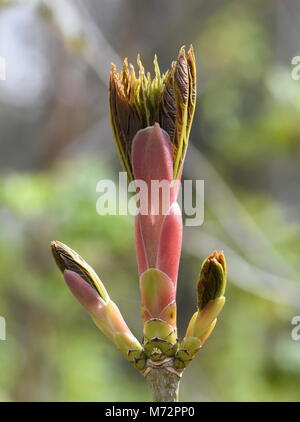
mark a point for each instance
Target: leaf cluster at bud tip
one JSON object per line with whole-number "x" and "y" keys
{"x": 139, "y": 101}
{"x": 91, "y": 293}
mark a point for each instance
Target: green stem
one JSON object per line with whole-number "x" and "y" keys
{"x": 163, "y": 381}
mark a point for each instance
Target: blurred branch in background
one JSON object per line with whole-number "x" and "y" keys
{"x": 80, "y": 34}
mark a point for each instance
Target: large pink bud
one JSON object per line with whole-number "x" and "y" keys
{"x": 159, "y": 232}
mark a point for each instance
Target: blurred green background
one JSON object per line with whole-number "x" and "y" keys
{"x": 56, "y": 144}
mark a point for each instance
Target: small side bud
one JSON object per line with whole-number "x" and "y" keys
{"x": 67, "y": 259}
{"x": 210, "y": 289}
{"x": 91, "y": 293}
{"x": 212, "y": 280}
